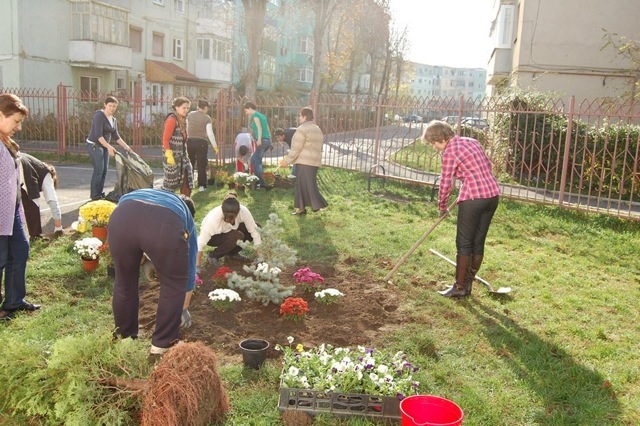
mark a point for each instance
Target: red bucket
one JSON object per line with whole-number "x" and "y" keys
{"x": 429, "y": 410}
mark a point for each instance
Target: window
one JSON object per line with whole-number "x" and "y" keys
{"x": 120, "y": 83}
{"x": 211, "y": 48}
{"x": 305, "y": 75}
{"x": 504, "y": 32}
{"x": 267, "y": 72}
{"x": 89, "y": 88}
{"x": 177, "y": 49}
{"x": 222, "y": 51}
{"x": 306, "y": 45}
{"x": 135, "y": 39}
{"x": 157, "y": 93}
{"x": 158, "y": 44}
{"x": 179, "y": 5}
{"x": 203, "y": 48}
{"x": 99, "y": 22}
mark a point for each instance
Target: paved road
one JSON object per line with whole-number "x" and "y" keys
{"x": 73, "y": 191}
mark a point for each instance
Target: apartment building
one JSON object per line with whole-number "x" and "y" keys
{"x": 441, "y": 81}
{"x": 169, "y": 47}
{"x": 557, "y": 46}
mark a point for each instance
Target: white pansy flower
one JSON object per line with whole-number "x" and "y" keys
{"x": 290, "y": 339}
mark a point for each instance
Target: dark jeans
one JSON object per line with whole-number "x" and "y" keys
{"x": 14, "y": 252}
{"x": 134, "y": 228}
{"x": 197, "y": 150}
{"x": 100, "y": 160}
{"x": 256, "y": 158}
{"x": 474, "y": 218}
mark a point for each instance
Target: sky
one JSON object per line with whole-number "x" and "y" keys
{"x": 451, "y": 33}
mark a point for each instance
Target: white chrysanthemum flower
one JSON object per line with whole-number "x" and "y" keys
{"x": 275, "y": 270}
{"x": 224, "y": 294}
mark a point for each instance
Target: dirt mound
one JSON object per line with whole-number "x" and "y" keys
{"x": 356, "y": 319}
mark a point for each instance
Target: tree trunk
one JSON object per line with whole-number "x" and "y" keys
{"x": 255, "y": 13}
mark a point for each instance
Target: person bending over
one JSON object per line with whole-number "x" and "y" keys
{"x": 159, "y": 224}
{"x": 223, "y": 226}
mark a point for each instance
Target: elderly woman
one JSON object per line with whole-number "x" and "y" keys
{"x": 14, "y": 246}
{"x": 306, "y": 154}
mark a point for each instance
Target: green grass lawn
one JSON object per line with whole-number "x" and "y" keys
{"x": 561, "y": 349}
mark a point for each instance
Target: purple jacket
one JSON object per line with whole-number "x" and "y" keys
{"x": 9, "y": 194}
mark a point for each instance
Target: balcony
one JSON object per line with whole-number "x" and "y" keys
{"x": 499, "y": 67}
{"x": 95, "y": 54}
{"x": 208, "y": 69}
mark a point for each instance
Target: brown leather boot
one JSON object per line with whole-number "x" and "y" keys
{"x": 458, "y": 289}
{"x": 476, "y": 262}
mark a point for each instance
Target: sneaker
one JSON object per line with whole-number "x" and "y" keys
{"x": 201, "y": 189}
{"x": 157, "y": 351}
{"x": 24, "y": 306}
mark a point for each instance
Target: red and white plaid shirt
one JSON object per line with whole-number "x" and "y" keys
{"x": 465, "y": 159}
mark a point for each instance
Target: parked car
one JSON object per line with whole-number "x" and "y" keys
{"x": 413, "y": 119}
{"x": 450, "y": 119}
{"x": 477, "y": 123}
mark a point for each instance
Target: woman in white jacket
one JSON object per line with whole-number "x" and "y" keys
{"x": 35, "y": 177}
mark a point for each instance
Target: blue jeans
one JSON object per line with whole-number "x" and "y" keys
{"x": 100, "y": 160}
{"x": 256, "y": 158}
{"x": 14, "y": 252}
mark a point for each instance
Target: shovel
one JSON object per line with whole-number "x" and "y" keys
{"x": 501, "y": 290}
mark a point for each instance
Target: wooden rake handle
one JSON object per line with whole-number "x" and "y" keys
{"x": 417, "y": 243}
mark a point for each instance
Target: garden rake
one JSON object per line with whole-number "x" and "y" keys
{"x": 417, "y": 243}
{"x": 501, "y": 290}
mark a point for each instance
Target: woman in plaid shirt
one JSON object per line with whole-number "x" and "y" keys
{"x": 465, "y": 159}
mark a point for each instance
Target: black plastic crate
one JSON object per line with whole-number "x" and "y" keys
{"x": 339, "y": 404}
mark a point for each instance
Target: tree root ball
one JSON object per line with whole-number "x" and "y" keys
{"x": 185, "y": 389}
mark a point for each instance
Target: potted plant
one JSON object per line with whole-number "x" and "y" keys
{"x": 221, "y": 177}
{"x": 89, "y": 250}
{"x": 240, "y": 179}
{"x": 252, "y": 181}
{"x": 269, "y": 179}
{"x": 231, "y": 181}
{"x": 97, "y": 213}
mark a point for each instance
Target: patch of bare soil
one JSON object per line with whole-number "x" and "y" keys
{"x": 367, "y": 310}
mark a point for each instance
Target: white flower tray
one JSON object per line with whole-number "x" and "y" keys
{"x": 315, "y": 402}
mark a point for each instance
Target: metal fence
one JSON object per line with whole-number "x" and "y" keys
{"x": 581, "y": 156}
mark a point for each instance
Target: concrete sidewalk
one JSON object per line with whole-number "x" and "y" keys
{"x": 73, "y": 191}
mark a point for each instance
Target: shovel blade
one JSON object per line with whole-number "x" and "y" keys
{"x": 502, "y": 290}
